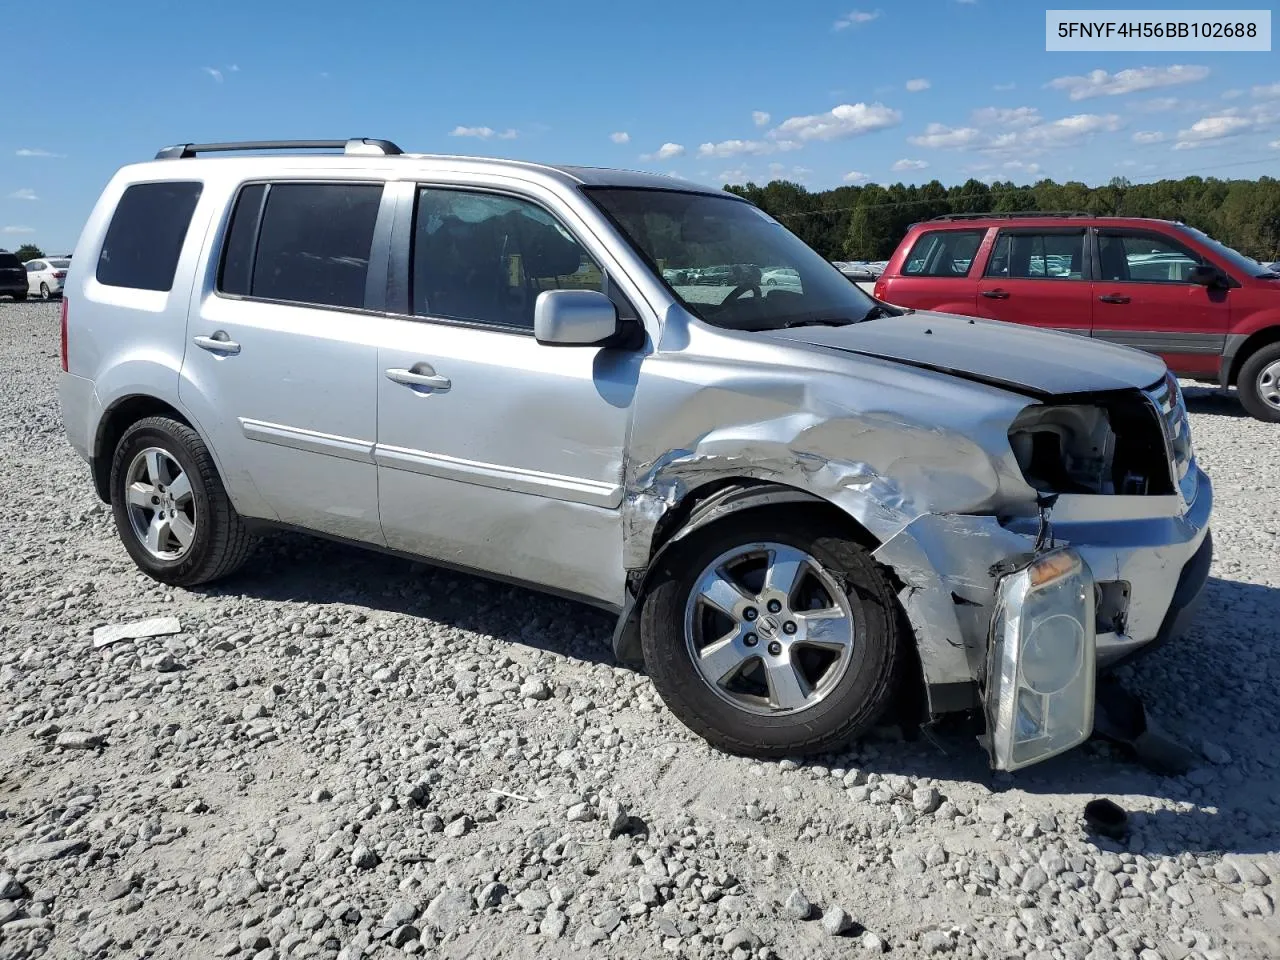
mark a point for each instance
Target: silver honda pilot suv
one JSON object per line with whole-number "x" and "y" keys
{"x": 798, "y": 501}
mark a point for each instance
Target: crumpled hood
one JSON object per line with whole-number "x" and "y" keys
{"x": 1027, "y": 359}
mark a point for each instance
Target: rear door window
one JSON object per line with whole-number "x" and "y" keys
{"x": 145, "y": 237}
{"x": 306, "y": 243}
{"x": 943, "y": 253}
{"x": 1144, "y": 257}
{"x": 1027, "y": 255}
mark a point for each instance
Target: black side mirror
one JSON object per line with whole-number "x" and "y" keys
{"x": 1208, "y": 276}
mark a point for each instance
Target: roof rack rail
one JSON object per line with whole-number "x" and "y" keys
{"x": 362, "y": 146}
{"x": 1014, "y": 214}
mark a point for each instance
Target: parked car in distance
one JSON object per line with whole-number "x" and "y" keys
{"x": 794, "y": 499}
{"x": 780, "y": 276}
{"x": 1210, "y": 312}
{"x": 46, "y": 276}
{"x": 13, "y": 276}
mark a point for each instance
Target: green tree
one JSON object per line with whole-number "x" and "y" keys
{"x": 867, "y": 222}
{"x": 29, "y": 251}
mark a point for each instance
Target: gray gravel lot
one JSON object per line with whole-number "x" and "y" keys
{"x": 345, "y": 755}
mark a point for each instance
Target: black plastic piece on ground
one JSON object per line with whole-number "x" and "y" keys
{"x": 1120, "y": 716}
{"x": 1106, "y": 818}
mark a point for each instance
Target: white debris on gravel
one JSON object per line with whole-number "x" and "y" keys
{"x": 308, "y": 768}
{"x": 155, "y": 627}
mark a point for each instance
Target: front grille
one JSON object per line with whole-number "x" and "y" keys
{"x": 1172, "y": 410}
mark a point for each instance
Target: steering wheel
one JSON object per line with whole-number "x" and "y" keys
{"x": 739, "y": 290}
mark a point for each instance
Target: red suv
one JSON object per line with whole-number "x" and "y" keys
{"x": 1210, "y": 312}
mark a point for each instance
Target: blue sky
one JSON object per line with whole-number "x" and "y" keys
{"x": 819, "y": 92}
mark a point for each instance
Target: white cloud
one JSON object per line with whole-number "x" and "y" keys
{"x": 621, "y": 136}
{"x": 234, "y": 68}
{"x": 1210, "y": 129}
{"x": 855, "y": 176}
{"x": 918, "y": 84}
{"x": 856, "y": 18}
{"x": 1099, "y": 83}
{"x": 1148, "y": 136}
{"x": 1031, "y": 169}
{"x": 667, "y": 151}
{"x": 1274, "y": 144}
{"x": 846, "y": 120}
{"x": 15, "y": 230}
{"x": 738, "y": 148}
{"x": 1067, "y": 132}
{"x": 213, "y": 72}
{"x": 1234, "y": 94}
{"x": 23, "y": 193}
{"x": 760, "y": 118}
{"x": 736, "y": 175}
{"x": 483, "y": 133}
{"x": 37, "y": 152}
{"x": 1006, "y": 116}
{"x": 938, "y": 136}
{"x": 1267, "y": 90}
{"x": 905, "y": 164}
{"x": 1004, "y": 87}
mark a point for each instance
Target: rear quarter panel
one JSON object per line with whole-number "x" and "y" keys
{"x": 944, "y": 294}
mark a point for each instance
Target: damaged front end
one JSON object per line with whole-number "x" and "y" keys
{"x": 1041, "y": 661}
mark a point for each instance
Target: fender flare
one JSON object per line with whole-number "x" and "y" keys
{"x": 724, "y": 502}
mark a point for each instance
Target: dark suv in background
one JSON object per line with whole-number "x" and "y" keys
{"x": 1212, "y": 313}
{"x": 13, "y": 276}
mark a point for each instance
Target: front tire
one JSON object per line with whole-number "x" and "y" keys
{"x": 1259, "y": 384}
{"x": 44, "y": 292}
{"x": 770, "y": 636}
{"x": 171, "y": 510}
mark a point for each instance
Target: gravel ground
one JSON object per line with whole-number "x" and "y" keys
{"x": 344, "y": 755}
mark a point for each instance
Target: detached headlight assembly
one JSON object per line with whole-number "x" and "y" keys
{"x": 1040, "y": 662}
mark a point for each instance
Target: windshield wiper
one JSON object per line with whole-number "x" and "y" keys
{"x": 818, "y": 322}
{"x": 880, "y": 310}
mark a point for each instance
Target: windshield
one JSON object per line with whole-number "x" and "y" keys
{"x": 1234, "y": 258}
{"x": 730, "y": 263}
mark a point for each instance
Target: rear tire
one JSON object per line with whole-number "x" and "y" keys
{"x": 155, "y": 458}
{"x": 832, "y": 707}
{"x": 19, "y": 297}
{"x": 1259, "y": 384}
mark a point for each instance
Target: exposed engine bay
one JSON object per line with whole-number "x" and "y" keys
{"x": 1112, "y": 445}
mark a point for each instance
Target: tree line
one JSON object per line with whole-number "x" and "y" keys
{"x": 867, "y": 222}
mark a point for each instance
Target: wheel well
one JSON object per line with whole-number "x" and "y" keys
{"x": 118, "y": 418}
{"x": 751, "y": 495}
{"x": 1256, "y": 341}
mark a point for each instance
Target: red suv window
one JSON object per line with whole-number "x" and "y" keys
{"x": 943, "y": 253}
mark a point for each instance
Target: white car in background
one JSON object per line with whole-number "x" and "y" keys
{"x": 46, "y": 276}
{"x": 780, "y": 277}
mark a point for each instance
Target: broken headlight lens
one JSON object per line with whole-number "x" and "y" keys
{"x": 1041, "y": 662}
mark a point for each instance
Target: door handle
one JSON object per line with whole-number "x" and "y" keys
{"x": 995, "y": 294}
{"x": 1114, "y": 298}
{"x": 429, "y": 380}
{"x": 218, "y": 343}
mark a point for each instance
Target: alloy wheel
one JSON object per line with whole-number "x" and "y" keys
{"x": 162, "y": 508}
{"x": 769, "y": 629}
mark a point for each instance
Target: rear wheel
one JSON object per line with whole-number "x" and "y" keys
{"x": 171, "y": 511}
{"x": 1259, "y": 384}
{"x": 769, "y": 636}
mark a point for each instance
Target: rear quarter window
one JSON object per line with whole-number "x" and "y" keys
{"x": 145, "y": 237}
{"x": 943, "y": 253}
